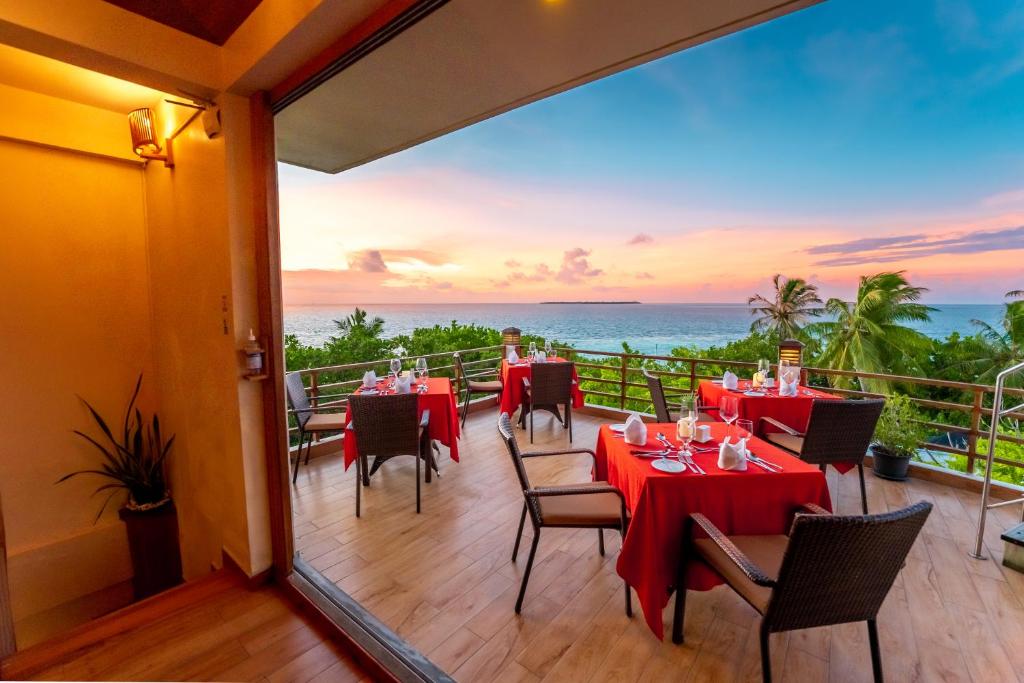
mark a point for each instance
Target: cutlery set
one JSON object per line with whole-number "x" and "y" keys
{"x": 687, "y": 460}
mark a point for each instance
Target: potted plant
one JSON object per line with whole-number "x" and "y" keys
{"x": 134, "y": 461}
{"x": 896, "y": 437}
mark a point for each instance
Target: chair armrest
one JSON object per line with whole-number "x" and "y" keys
{"x": 745, "y": 564}
{"x": 775, "y": 423}
{"x": 482, "y": 373}
{"x": 572, "y": 451}
{"x": 812, "y": 509}
{"x": 425, "y": 419}
{"x": 573, "y": 490}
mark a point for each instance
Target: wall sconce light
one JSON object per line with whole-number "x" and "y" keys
{"x": 791, "y": 350}
{"x": 144, "y": 142}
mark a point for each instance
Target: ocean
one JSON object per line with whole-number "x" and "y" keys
{"x": 649, "y": 328}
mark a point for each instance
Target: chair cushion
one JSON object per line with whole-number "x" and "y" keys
{"x": 765, "y": 551}
{"x": 582, "y": 509}
{"x": 494, "y": 385}
{"x": 326, "y": 422}
{"x": 791, "y": 443}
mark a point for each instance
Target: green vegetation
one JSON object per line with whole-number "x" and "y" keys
{"x": 898, "y": 430}
{"x": 869, "y": 334}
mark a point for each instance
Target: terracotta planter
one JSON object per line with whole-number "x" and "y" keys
{"x": 887, "y": 465}
{"x": 153, "y": 543}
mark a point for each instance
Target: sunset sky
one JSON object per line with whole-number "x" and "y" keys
{"x": 848, "y": 138}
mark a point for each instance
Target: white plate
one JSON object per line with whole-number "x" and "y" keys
{"x": 666, "y": 465}
{"x": 753, "y": 393}
{"x": 618, "y": 428}
{"x": 368, "y": 392}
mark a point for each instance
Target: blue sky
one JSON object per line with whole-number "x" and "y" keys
{"x": 850, "y": 119}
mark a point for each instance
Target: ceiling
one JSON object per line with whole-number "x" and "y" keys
{"x": 211, "y": 20}
{"x": 29, "y": 71}
{"x": 473, "y": 59}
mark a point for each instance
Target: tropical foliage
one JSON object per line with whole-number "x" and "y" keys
{"x": 898, "y": 430}
{"x": 133, "y": 460}
{"x": 870, "y": 334}
{"x": 793, "y": 303}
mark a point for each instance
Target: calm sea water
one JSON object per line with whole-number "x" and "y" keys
{"x": 650, "y": 328}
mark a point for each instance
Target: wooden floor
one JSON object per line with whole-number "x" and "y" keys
{"x": 444, "y": 581}
{"x": 235, "y": 634}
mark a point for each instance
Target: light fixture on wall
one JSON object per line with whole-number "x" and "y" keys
{"x": 144, "y": 140}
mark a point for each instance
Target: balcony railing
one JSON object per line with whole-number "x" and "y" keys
{"x": 615, "y": 380}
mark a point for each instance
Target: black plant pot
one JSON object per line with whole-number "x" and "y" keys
{"x": 888, "y": 465}
{"x": 153, "y": 544}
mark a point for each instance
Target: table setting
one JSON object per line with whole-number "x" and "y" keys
{"x": 743, "y": 484}
{"x": 433, "y": 393}
{"x": 515, "y": 368}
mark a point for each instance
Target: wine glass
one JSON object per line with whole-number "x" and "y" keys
{"x": 729, "y": 410}
{"x": 685, "y": 429}
{"x": 548, "y": 349}
{"x": 744, "y": 428}
{"x": 396, "y": 368}
{"x": 533, "y": 350}
{"x": 421, "y": 368}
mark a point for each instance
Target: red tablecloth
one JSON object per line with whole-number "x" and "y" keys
{"x": 751, "y": 502}
{"x": 792, "y": 411}
{"x": 444, "y": 418}
{"x": 512, "y": 377}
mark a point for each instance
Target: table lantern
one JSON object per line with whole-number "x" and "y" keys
{"x": 511, "y": 336}
{"x": 791, "y": 350}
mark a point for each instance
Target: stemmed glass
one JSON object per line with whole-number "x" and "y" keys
{"x": 396, "y": 369}
{"x": 533, "y": 351}
{"x": 685, "y": 429}
{"x": 729, "y": 410}
{"x": 548, "y": 349}
{"x": 421, "y": 368}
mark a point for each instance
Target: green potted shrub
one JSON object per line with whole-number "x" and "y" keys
{"x": 134, "y": 461}
{"x": 896, "y": 437}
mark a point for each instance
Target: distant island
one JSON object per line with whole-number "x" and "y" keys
{"x": 589, "y": 303}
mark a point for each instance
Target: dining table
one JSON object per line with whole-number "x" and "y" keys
{"x": 513, "y": 374}
{"x": 755, "y": 501}
{"x": 438, "y": 398}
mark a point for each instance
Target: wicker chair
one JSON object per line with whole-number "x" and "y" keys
{"x": 829, "y": 570}
{"x": 661, "y": 405}
{"x": 311, "y": 421}
{"x": 590, "y": 505}
{"x": 837, "y": 431}
{"x": 386, "y": 427}
{"x": 549, "y": 386}
{"x": 473, "y": 385}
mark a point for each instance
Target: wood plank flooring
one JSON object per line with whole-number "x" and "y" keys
{"x": 234, "y": 634}
{"x": 445, "y": 581}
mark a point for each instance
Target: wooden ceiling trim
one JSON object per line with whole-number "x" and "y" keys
{"x": 211, "y": 21}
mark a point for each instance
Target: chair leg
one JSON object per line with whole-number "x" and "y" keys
{"x": 766, "y": 658}
{"x": 531, "y": 423}
{"x": 600, "y": 541}
{"x": 568, "y": 418}
{"x": 529, "y": 566}
{"x": 309, "y": 447}
{"x": 465, "y": 408}
{"x": 298, "y": 456}
{"x": 629, "y": 601}
{"x": 876, "y": 654}
{"x": 519, "y": 534}
{"x": 419, "y": 459}
{"x": 358, "y": 485}
{"x": 863, "y": 490}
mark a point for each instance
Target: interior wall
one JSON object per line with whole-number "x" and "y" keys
{"x": 75, "y": 321}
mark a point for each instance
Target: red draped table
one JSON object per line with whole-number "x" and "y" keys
{"x": 512, "y": 378}
{"x": 751, "y": 502}
{"x": 439, "y": 399}
{"x": 792, "y": 411}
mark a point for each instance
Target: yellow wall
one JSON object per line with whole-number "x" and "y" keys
{"x": 74, "y": 319}
{"x": 108, "y": 269}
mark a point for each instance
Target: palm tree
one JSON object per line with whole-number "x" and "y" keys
{"x": 356, "y": 324}
{"x": 795, "y": 301}
{"x": 869, "y": 334}
{"x": 1015, "y": 294}
{"x": 999, "y": 348}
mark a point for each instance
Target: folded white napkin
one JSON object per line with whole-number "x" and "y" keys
{"x": 403, "y": 385}
{"x": 636, "y": 431}
{"x": 512, "y": 356}
{"x": 369, "y": 379}
{"x": 730, "y": 380}
{"x": 789, "y": 388}
{"x": 540, "y": 357}
{"x": 733, "y": 458}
